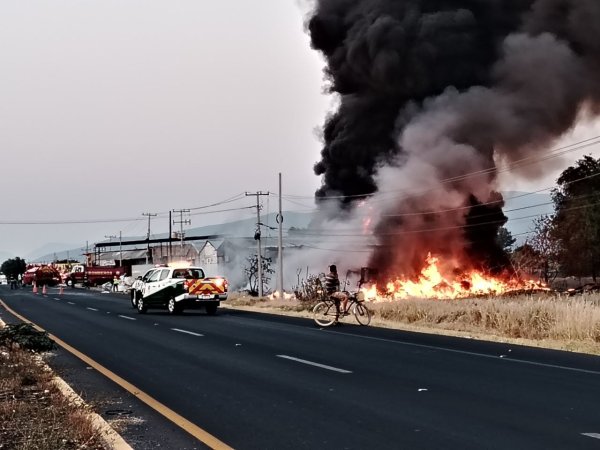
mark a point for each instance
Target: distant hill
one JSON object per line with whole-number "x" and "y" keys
{"x": 247, "y": 227}
{"x": 238, "y": 228}
{"x": 52, "y": 251}
{"x": 519, "y": 207}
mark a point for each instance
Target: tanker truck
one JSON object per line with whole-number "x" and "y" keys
{"x": 41, "y": 275}
{"x": 94, "y": 275}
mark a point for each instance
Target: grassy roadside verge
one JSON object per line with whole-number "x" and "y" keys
{"x": 34, "y": 412}
{"x": 539, "y": 320}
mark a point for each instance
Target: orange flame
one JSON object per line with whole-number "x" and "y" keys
{"x": 431, "y": 283}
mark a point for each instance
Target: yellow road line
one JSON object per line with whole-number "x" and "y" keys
{"x": 193, "y": 429}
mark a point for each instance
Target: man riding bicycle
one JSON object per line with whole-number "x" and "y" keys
{"x": 332, "y": 287}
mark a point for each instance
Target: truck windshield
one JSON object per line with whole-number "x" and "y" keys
{"x": 188, "y": 273}
{"x": 195, "y": 273}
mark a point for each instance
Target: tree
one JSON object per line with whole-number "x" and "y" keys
{"x": 546, "y": 247}
{"x": 525, "y": 260}
{"x": 251, "y": 271}
{"x": 13, "y": 267}
{"x": 505, "y": 239}
{"x": 576, "y": 225}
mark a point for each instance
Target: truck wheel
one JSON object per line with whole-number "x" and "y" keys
{"x": 173, "y": 307}
{"x": 141, "y": 306}
{"x": 133, "y": 298}
{"x": 211, "y": 309}
{"x": 70, "y": 283}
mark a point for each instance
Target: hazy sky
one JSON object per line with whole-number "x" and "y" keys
{"x": 116, "y": 107}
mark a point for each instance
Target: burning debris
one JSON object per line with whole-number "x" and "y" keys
{"x": 435, "y": 98}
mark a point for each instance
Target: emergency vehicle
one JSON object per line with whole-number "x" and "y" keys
{"x": 177, "y": 289}
{"x": 93, "y": 275}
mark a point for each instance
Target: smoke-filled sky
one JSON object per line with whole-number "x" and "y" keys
{"x": 112, "y": 108}
{"x": 432, "y": 92}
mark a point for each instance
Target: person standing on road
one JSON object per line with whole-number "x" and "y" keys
{"x": 332, "y": 286}
{"x": 115, "y": 284}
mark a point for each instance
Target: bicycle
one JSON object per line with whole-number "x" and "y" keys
{"x": 327, "y": 312}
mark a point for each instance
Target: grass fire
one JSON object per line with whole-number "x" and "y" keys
{"x": 440, "y": 281}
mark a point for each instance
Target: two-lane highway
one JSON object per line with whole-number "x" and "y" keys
{"x": 261, "y": 381}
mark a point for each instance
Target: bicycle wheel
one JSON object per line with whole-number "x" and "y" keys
{"x": 325, "y": 314}
{"x": 362, "y": 314}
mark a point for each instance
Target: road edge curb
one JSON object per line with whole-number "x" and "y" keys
{"x": 111, "y": 438}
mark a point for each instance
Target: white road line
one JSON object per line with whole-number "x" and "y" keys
{"x": 592, "y": 435}
{"x": 70, "y": 303}
{"x": 57, "y": 299}
{"x": 463, "y": 352}
{"x": 187, "y": 332}
{"x": 128, "y": 318}
{"x": 92, "y": 309}
{"x": 322, "y": 366}
{"x": 442, "y": 349}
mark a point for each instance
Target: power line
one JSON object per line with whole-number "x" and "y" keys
{"x": 181, "y": 223}
{"x": 495, "y": 202}
{"x": 555, "y": 153}
{"x": 223, "y": 202}
{"x": 496, "y": 222}
{"x": 222, "y": 210}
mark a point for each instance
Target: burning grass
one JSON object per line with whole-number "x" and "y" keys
{"x": 34, "y": 413}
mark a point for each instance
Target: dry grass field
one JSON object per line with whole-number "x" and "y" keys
{"x": 34, "y": 414}
{"x": 544, "y": 320}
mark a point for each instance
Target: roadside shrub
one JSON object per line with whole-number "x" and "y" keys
{"x": 26, "y": 337}
{"x": 309, "y": 291}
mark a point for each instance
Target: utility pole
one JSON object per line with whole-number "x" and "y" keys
{"x": 181, "y": 223}
{"x": 257, "y": 237}
{"x": 280, "y": 245}
{"x": 170, "y": 238}
{"x": 110, "y": 238}
{"x": 120, "y": 249}
{"x": 150, "y": 215}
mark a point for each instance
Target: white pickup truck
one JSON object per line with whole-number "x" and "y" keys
{"x": 177, "y": 289}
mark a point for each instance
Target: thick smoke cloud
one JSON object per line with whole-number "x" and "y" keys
{"x": 434, "y": 91}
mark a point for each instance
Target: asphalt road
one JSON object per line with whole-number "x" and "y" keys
{"x": 258, "y": 381}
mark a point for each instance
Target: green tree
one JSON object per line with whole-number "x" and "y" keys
{"x": 576, "y": 224}
{"x": 13, "y": 267}
{"x": 505, "y": 239}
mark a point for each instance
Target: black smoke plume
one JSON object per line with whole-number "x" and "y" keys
{"x": 432, "y": 91}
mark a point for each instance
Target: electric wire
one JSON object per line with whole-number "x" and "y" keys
{"x": 461, "y": 208}
{"x": 555, "y": 153}
{"x": 430, "y": 230}
{"x": 222, "y": 210}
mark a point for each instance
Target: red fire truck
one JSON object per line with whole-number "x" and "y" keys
{"x": 41, "y": 275}
{"x": 94, "y": 275}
